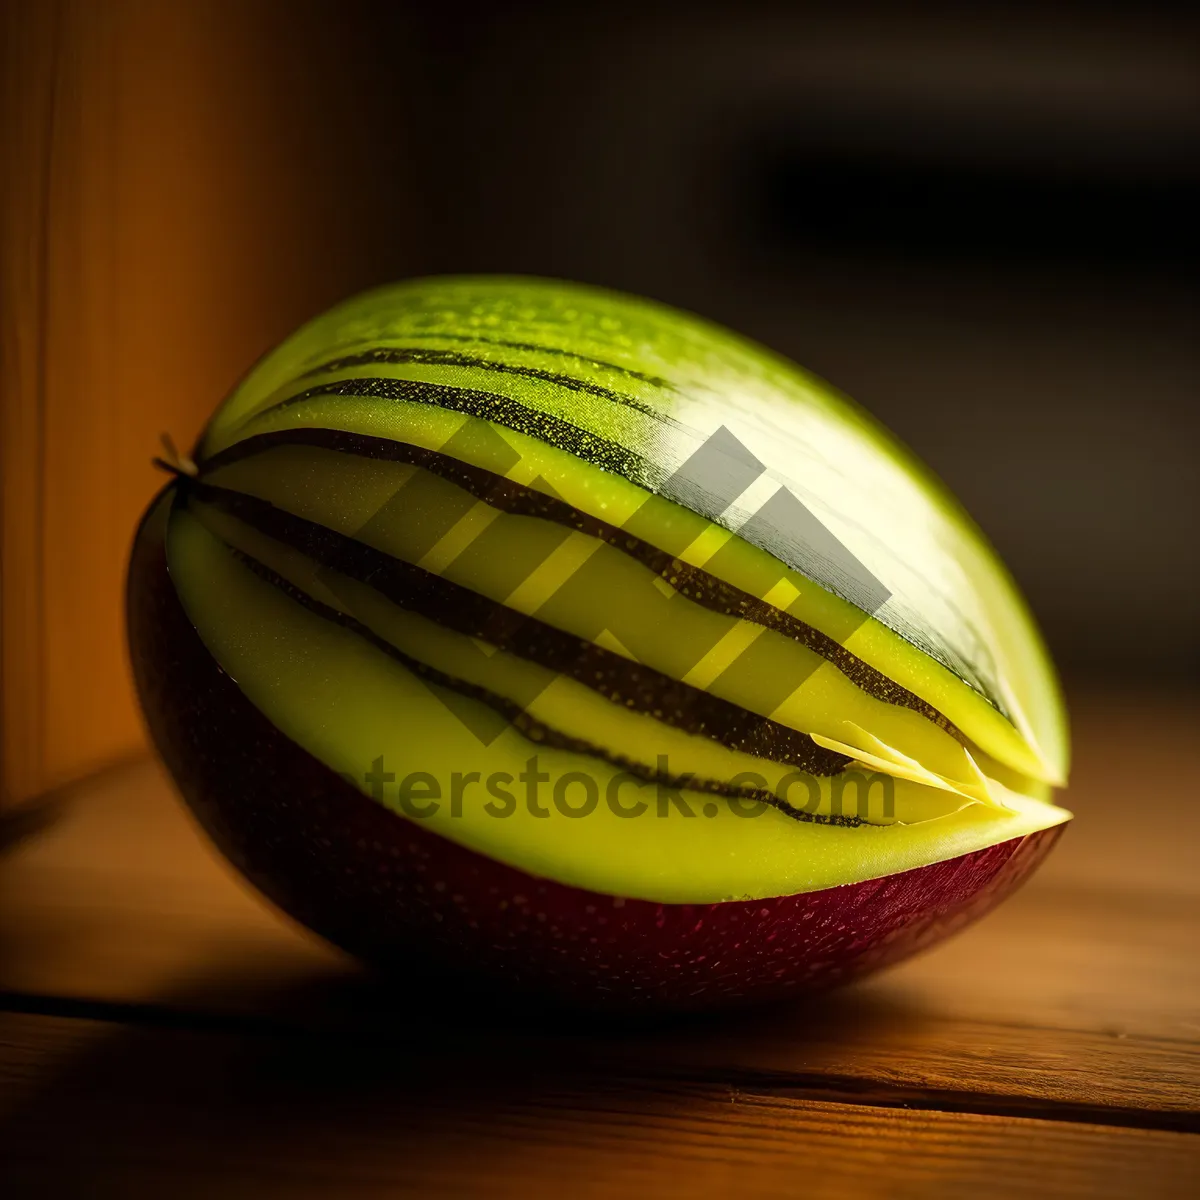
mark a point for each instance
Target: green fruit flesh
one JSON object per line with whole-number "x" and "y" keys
{"x": 470, "y": 490}
{"x": 597, "y": 591}
{"x": 349, "y": 704}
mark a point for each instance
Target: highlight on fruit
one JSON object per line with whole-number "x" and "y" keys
{"x": 565, "y": 640}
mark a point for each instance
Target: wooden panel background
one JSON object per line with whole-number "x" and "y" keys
{"x": 174, "y": 201}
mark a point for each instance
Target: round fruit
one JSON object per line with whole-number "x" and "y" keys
{"x": 567, "y": 639}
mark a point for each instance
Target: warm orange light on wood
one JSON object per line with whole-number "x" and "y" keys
{"x": 165, "y": 220}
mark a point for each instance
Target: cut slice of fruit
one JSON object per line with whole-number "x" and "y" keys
{"x": 570, "y": 640}
{"x": 565, "y": 377}
{"x": 366, "y": 715}
{"x": 598, "y": 584}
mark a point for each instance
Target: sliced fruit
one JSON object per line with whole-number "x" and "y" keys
{"x": 567, "y": 592}
{"x": 571, "y": 374}
{"x": 409, "y": 900}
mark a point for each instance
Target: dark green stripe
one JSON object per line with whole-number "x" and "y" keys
{"x": 488, "y": 406}
{"x": 475, "y": 339}
{"x": 706, "y": 590}
{"x": 451, "y": 358}
{"x": 633, "y": 685}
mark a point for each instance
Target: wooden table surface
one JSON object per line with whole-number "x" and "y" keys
{"x": 164, "y": 1033}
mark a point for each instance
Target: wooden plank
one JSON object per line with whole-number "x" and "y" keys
{"x": 156, "y": 236}
{"x": 1073, "y": 997}
{"x": 105, "y": 1111}
{"x": 29, "y": 48}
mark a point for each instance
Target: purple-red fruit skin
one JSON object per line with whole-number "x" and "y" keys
{"x": 402, "y": 898}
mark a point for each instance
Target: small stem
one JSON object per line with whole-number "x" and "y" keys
{"x": 174, "y": 463}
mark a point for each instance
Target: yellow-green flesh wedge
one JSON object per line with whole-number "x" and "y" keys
{"x": 458, "y": 531}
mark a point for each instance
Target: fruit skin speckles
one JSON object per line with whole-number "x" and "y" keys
{"x": 399, "y": 896}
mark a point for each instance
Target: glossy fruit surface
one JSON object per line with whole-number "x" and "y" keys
{"x": 567, "y": 637}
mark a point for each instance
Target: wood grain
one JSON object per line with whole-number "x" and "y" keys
{"x": 158, "y": 216}
{"x": 120, "y": 1111}
{"x": 1076, "y": 1000}
{"x": 28, "y": 52}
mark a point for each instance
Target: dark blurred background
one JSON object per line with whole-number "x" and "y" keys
{"x": 979, "y": 221}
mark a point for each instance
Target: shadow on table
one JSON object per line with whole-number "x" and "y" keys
{"x": 355, "y": 1080}
{"x": 26, "y": 820}
{"x": 29, "y": 818}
